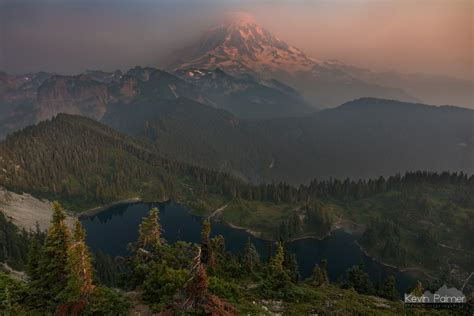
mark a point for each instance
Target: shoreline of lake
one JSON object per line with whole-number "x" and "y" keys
{"x": 414, "y": 270}
{"x": 179, "y": 223}
{"x": 346, "y": 226}
{"x": 99, "y": 209}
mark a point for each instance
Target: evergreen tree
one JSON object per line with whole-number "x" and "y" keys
{"x": 250, "y": 258}
{"x": 388, "y": 289}
{"x": 106, "y": 269}
{"x": 418, "y": 290}
{"x": 149, "y": 231}
{"x": 13, "y": 244}
{"x": 357, "y": 279}
{"x": 277, "y": 261}
{"x": 33, "y": 259}
{"x": 320, "y": 274}
{"x": 10, "y": 306}
{"x": 291, "y": 265}
{"x": 217, "y": 245}
{"x": 149, "y": 237}
{"x": 205, "y": 232}
{"x": 53, "y": 263}
{"x": 207, "y": 255}
{"x": 79, "y": 266}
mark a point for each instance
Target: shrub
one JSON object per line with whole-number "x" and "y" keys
{"x": 106, "y": 301}
{"x": 12, "y": 292}
{"x": 224, "y": 289}
{"x": 162, "y": 284}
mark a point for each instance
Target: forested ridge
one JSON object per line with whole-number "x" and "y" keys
{"x": 364, "y": 138}
{"x": 79, "y": 160}
{"x": 192, "y": 132}
{"x": 83, "y": 163}
{"x": 72, "y": 156}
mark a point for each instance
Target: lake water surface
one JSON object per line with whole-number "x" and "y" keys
{"x": 111, "y": 230}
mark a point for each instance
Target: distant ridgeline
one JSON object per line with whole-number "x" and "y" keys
{"x": 259, "y": 130}
{"x": 363, "y": 138}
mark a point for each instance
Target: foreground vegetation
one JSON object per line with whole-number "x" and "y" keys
{"x": 182, "y": 278}
{"x": 13, "y": 244}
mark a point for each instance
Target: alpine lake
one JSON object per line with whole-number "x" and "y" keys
{"x": 111, "y": 230}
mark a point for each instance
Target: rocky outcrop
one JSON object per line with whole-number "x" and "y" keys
{"x": 73, "y": 95}
{"x": 20, "y": 89}
{"x": 26, "y": 211}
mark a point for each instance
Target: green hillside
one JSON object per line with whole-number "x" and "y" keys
{"x": 402, "y": 220}
{"x": 84, "y": 163}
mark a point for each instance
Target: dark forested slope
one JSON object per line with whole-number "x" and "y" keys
{"x": 84, "y": 162}
{"x": 360, "y": 139}
{"x": 186, "y": 130}
{"x": 371, "y": 137}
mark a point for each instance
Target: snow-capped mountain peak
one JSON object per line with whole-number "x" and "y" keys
{"x": 242, "y": 46}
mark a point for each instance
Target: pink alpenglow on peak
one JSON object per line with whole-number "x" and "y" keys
{"x": 242, "y": 46}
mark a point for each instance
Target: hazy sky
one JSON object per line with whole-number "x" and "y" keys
{"x": 69, "y": 36}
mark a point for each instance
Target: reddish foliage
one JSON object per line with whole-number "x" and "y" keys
{"x": 73, "y": 309}
{"x": 198, "y": 297}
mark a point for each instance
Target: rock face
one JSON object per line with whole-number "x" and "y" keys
{"x": 17, "y": 100}
{"x": 31, "y": 98}
{"x": 103, "y": 76}
{"x": 90, "y": 93}
{"x": 72, "y": 95}
{"x": 128, "y": 88}
{"x": 246, "y": 97}
{"x": 20, "y": 89}
{"x": 26, "y": 211}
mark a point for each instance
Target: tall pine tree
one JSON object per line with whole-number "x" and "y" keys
{"x": 250, "y": 258}
{"x": 52, "y": 266}
{"x": 207, "y": 255}
{"x": 150, "y": 231}
{"x": 291, "y": 265}
{"x": 320, "y": 274}
{"x": 79, "y": 266}
{"x": 418, "y": 290}
{"x": 277, "y": 261}
{"x": 33, "y": 259}
{"x": 388, "y": 289}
